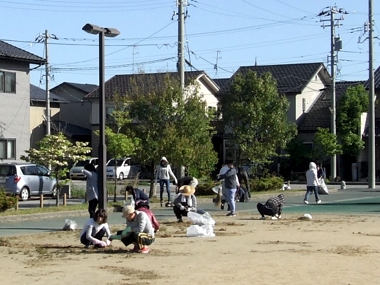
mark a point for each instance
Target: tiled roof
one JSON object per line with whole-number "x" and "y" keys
{"x": 39, "y": 94}
{"x": 122, "y": 84}
{"x": 291, "y": 78}
{"x": 70, "y": 129}
{"x": 221, "y": 82}
{"x": 376, "y": 79}
{"x": 84, "y": 88}
{"x": 10, "y": 52}
{"x": 320, "y": 115}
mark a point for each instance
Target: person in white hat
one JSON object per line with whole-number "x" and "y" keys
{"x": 163, "y": 174}
{"x": 184, "y": 202}
{"x": 141, "y": 232}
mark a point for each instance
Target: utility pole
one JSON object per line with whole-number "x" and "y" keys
{"x": 44, "y": 37}
{"x": 47, "y": 75}
{"x": 181, "y": 52}
{"x": 371, "y": 109}
{"x": 336, "y": 45}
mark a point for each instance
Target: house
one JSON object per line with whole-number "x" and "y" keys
{"x": 73, "y": 92}
{"x": 15, "y": 99}
{"x": 365, "y": 154}
{"x": 122, "y": 84}
{"x": 38, "y": 113}
{"x": 320, "y": 116}
{"x": 75, "y": 113}
{"x": 302, "y": 84}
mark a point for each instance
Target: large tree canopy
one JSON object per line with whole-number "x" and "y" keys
{"x": 255, "y": 117}
{"x": 169, "y": 123}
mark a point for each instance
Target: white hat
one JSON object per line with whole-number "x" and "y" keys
{"x": 163, "y": 158}
{"x": 127, "y": 210}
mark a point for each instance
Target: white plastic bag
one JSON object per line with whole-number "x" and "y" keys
{"x": 322, "y": 189}
{"x": 200, "y": 231}
{"x": 70, "y": 225}
{"x": 198, "y": 219}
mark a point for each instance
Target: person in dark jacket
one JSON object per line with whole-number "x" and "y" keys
{"x": 243, "y": 178}
{"x": 231, "y": 184}
{"x": 139, "y": 197}
{"x": 272, "y": 207}
{"x": 187, "y": 180}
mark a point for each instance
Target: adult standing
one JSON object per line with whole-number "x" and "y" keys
{"x": 163, "y": 174}
{"x": 243, "y": 178}
{"x": 222, "y": 171}
{"x": 312, "y": 183}
{"x": 92, "y": 191}
{"x": 320, "y": 173}
{"x": 231, "y": 184}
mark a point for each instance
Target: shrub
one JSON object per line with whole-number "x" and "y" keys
{"x": 204, "y": 188}
{"x": 266, "y": 183}
{"x": 77, "y": 192}
{"x": 6, "y": 202}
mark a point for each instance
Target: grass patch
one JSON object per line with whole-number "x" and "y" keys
{"x": 46, "y": 209}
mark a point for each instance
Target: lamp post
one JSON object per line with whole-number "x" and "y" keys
{"x": 102, "y": 150}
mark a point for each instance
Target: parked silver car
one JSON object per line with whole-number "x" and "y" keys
{"x": 125, "y": 168}
{"x": 26, "y": 180}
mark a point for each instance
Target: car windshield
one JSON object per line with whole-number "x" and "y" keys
{"x": 119, "y": 162}
{"x": 82, "y": 163}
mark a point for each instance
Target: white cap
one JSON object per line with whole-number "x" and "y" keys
{"x": 163, "y": 158}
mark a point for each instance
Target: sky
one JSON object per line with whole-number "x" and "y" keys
{"x": 220, "y": 35}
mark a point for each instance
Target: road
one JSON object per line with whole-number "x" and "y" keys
{"x": 356, "y": 201}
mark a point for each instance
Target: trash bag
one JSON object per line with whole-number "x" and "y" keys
{"x": 201, "y": 219}
{"x": 322, "y": 189}
{"x": 200, "y": 231}
{"x": 70, "y": 225}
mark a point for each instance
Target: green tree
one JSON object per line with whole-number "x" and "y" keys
{"x": 255, "y": 117}
{"x": 170, "y": 124}
{"x": 298, "y": 155}
{"x": 55, "y": 151}
{"x": 325, "y": 144}
{"x": 350, "y": 108}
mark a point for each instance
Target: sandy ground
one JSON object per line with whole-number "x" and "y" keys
{"x": 329, "y": 249}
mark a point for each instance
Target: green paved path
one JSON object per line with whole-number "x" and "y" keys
{"x": 349, "y": 201}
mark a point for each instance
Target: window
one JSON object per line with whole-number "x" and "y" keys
{"x": 7, "y": 149}
{"x": 308, "y": 146}
{"x": 7, "y": 82}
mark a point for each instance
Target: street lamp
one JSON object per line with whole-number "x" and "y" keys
{"x": 102, "y": 150}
